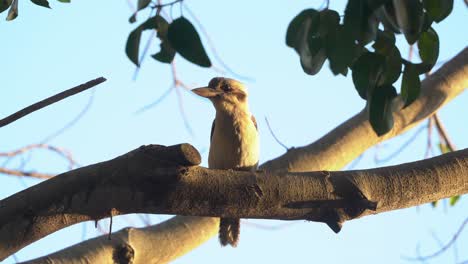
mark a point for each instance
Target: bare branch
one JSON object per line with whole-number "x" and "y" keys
{"x": 443, "y": 132}
{"x": 442, "y": 249}
{"x": 430, "y": 125}
{"x": 274, "y": 136}
{"x": 379, "y": 160}
{"x": 53, "y": 99}
{"x": 72, "y": 122}
{"x": 26, "y": 173}
{"x": 60, "y": 151}
{"x": 122, "y": 246}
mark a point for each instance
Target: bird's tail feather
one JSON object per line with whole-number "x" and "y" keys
{"x": 229, "y": 230}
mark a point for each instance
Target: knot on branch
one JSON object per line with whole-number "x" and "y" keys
{"x": 347, "y": 202}
{"x": 351, "y": 202}
{"x": 175, "y": 155}
{"x": 124, "y": 253}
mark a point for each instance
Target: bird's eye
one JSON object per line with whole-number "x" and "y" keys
{"x": 226, "y": 87}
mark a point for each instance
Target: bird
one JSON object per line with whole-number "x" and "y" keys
{"x": 234, "y": 139}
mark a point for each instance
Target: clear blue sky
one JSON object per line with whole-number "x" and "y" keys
{"x": 46, "y": 51}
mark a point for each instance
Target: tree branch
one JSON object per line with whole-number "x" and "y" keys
{"x": 50, "y": 100}
{"x": 33, "y": 174}
{"x": 347, "y": 141}
{"x": 140, "y": 245}
{"x": 164, "y": 180}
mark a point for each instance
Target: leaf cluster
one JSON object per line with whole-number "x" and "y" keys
{"x": 363, "y": 41}
{"x": 179, "y": 36}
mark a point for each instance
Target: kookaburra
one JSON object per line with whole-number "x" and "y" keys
{"x": 234, "y": 139}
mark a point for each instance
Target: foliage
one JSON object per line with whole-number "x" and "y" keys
{"x": 319, "y": 35}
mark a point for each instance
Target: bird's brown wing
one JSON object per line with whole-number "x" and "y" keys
{"x": 212, "y": 130}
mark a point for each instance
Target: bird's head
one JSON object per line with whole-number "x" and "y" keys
{"x": 225, "y": 94}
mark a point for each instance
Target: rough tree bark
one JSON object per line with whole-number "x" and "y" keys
{"x": 146, "y": 180}
{"x": 332, "y": 152}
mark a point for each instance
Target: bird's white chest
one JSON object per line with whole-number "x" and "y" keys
{"x": 234, "y": 144}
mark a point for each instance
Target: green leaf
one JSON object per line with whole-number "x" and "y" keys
{"x": 339, "y": 43}
{"x": 167, "y": 52}
{"x": 410, "y": 85}
{"x": 367, "y": 70}
{"x": 384, "y": 42}
{"x": 311, "y": 50}
{"x": 64, "y": 1}
{"x": 185, "y": 40}
{"x": 13, "y": 11}
{"x": 386, "y": 14}
{"x": 438, "y": 10}
{"x": 143, "y": 4}
{"x": 392, "y": 66}
{"x": 410, "y": 18}
{"x": 295, "y": 25}
{"x": 329, "y": 21}
{"x": 340, "y": 48}
{"x": 427, "y": 23}
{"x": 428, "y": 46}
{"x": 360, "y": 21}
{"x": 385, "y": 46}
{"x": 454, "y": 200}
{"x": 132, "y": 19}
{"x": 380, "y": 109}
{"x": 4, "y": 4}
{"x": 43, "y": 3}
{"x": 434, "y": 203}
{"x": 132, "y": 47}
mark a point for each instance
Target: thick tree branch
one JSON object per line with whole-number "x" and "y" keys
{"x": 156, "y": 179}
{"x": 140, "y": 245}
{"x": 347, "y": 141}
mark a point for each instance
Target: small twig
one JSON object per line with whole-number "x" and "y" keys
{"x": 145, "y": 50}
{"x": 182, "y": 111}
{"x": 167, "y": 4}
{"x": 444, "y": 248}
{"x": 410, "y": 52}
{"x": 177, "y": 84}
{"x": 145, "y": 219}
{"x": 110, "y": 227}
{"x": 53, "y": 99}
{"x": 213, "y": 47}
{"x": 400, "y": 149}
{"x": 274, "y": 136}
{"x": 155, "y": 102}
{"x": 443, "y": 132}
{"x": 430, "y": 124}
{"x": 75, "y": 120}
{"x": 131, "y": 6}
{"x": 26, "y": 173}
{"x": 62, "y": 152}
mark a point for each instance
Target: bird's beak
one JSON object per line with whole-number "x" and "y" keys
{"x": 206, "y": 92}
